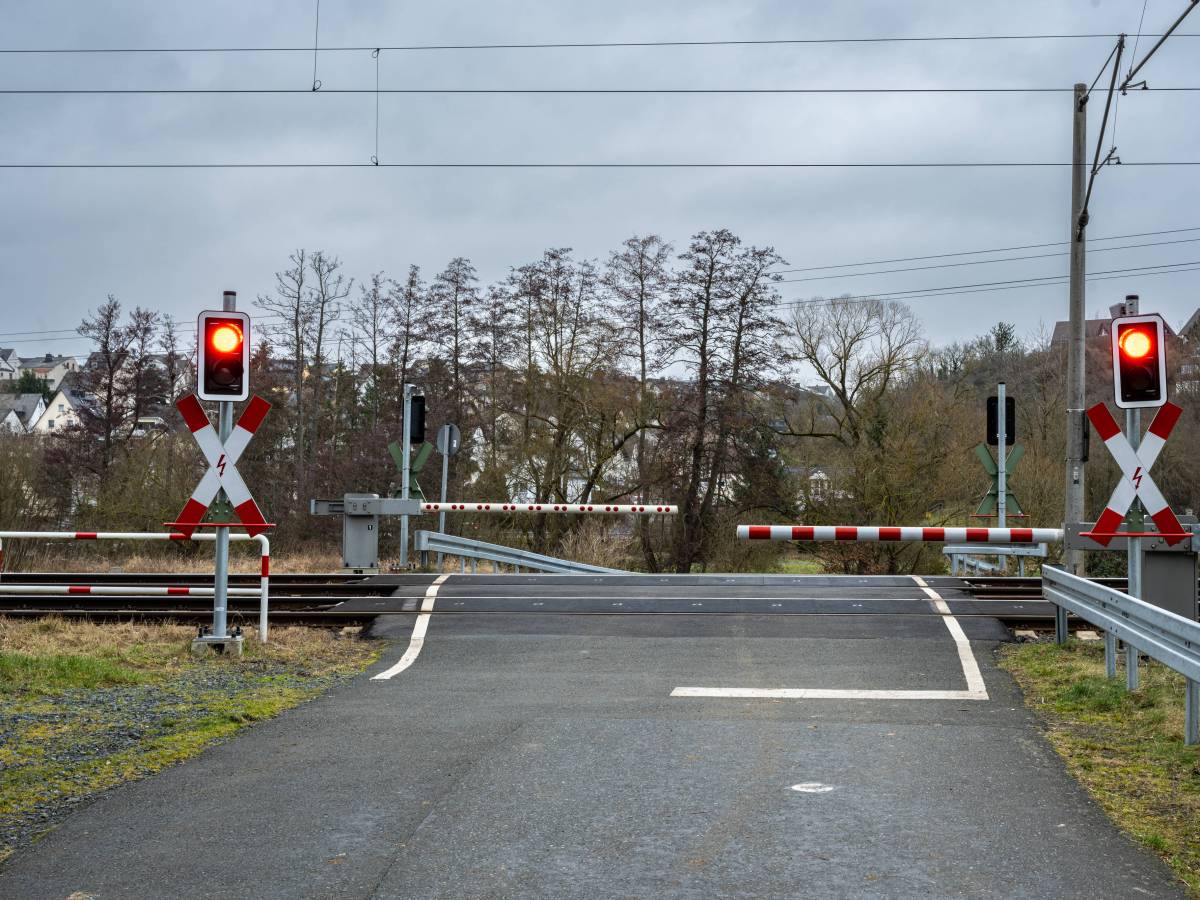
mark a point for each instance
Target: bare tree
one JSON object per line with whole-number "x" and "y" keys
{"x": 329, "y": 287}
{"x": 101, "y": 375}
{"x": 369, "y": 318}
{"x": 142, "y": 379}
{"x": 453, "y": 296}
{"x": 492, "y": 323}
{"x": 174, "y": 361}
{"x": 638, "y": 277}
{"x": 291, "y": 304}
{"x": 858, "y": 349}
{"x": 722, "y": 332}
{"x": 409, "y": 324}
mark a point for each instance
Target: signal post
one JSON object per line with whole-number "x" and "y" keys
{"x": 222, "y": 375}
{"x": 1162, "y": 563}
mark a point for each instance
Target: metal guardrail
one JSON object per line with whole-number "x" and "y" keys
{"x": 1162, "y": 635}
{"x": 966, "y": 556}
{"x": 466, "y": 548}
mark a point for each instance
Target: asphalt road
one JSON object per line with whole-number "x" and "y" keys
{"x": 620, "y": 740}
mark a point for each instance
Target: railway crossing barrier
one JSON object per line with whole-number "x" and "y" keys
{"x": 360, "y": 519}
{"x": 1171, "y": 639}
{"x": 262, "y": 591}
{"x": 886, "y": 533}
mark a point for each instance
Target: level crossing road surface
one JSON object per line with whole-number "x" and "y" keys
{"x": 645, "y": 736}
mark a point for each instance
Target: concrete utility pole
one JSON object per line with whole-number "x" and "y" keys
{"x": 1077, "y": 347}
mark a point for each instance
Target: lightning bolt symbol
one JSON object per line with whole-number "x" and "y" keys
{"x": 221, "y": 465}
{"x": 1136, "y": 479}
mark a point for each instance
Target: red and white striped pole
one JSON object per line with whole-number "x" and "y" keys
{"x": 264, "y": 547}
{"x": 499, "y": 507}
{"x": 133, "y": 590}
{"x": 876, "y": 534}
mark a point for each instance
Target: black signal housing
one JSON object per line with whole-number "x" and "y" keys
{"x": 223, "y": 355}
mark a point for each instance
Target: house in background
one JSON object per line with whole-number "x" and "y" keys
{"x": 19, "y": 412}
{"x": 50, "y": 367}
{"x": 10, "y": 364}
{"x": 63, "y": 411}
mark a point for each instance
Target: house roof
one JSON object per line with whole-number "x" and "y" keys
{"x": 1092, "y": 328}
{"x": 1189, "y": 332}
{"x": 46, "y": 362}
{"x": 24, "y": 405}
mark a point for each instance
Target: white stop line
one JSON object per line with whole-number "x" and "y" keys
{"x": 976, "y": 689}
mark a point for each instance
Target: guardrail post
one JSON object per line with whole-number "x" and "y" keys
{"x": 1060, "y": 625}
{"x": 1110, "y": 655}
{"x": 1191, "y": 714}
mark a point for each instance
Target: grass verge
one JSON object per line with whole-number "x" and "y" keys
{"x": 86, "y": 707}
{"x": 1126, "y": 748}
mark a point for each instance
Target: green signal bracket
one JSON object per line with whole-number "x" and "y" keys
{"x": 990, "y": 502}
{"x": 415, "y": 466}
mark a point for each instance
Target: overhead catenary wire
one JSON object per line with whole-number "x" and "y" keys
{"x": 990, "y": 286}
{"x": 1125, "y": 85}
{"x": 267, "y": 91}
{"x": 579, "y": 165}
{"x": 982, "y": 262}
{"x": 900, "y": 259}
{"x": 581, "y": 45}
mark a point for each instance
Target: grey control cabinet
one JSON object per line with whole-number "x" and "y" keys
{"x": 360, "y": 524}
{"x": 1169, "y": 581}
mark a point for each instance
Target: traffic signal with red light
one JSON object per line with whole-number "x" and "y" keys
{"x": 223, "y": 355}
{"x": 1139, "y": 361}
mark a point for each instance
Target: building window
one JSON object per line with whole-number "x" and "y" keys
{"x": 50, "y": 423}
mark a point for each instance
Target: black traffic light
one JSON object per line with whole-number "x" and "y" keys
{"x": 993, "y": 421}
{"x": 1139, "y": 361}
{"x": 416, "y": 421}
{"x": 223, "y": 355}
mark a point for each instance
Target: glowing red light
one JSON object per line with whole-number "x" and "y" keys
{"x": 225, "y": 338}
{"x": 1135, "y": 343}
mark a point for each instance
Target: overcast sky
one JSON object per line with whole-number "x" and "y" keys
{"x": 174, "y": 239}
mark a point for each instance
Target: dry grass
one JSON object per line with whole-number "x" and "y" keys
{"x": 187, "y": 560}
{"x": 152, "y": 644}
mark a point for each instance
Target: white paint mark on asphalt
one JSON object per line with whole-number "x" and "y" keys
{"x": 969, "y": 666}
{"x": 823, "y": 694}
{"x": 976, "y": 689}
{"x": 417, "y": 641}
{"x": 812, "y": 787}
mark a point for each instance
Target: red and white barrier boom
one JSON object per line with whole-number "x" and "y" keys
{"x": 877, "y": 534}
{"x": 594, "y": 508}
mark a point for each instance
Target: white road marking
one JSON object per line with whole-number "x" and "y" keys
{"x": 976, "y": 689}
{"x": 812, "y": 787}
{"x": 417, "y": 641}
{"x": 823, "y": 694}
{"x": 969, "y": 666}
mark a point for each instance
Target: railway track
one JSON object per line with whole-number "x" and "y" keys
{"x": 326, "y": 599}
{"x": 295, "y": 599}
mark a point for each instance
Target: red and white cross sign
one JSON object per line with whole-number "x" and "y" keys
{"x": 222, "y": 465}
{"x": 1135, "y": 473}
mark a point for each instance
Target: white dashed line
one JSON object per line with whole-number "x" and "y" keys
{"x": 417, "y": 641}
